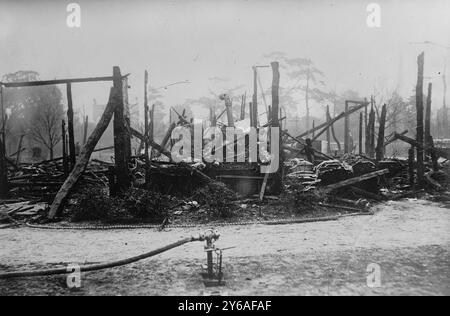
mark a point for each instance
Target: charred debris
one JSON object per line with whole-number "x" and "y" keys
{"x": 150, "y": 186}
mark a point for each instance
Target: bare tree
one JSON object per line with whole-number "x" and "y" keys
{"x": 45, "y": 119}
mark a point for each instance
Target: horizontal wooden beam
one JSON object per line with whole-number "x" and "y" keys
{"x": 56, "y": 81}
{"x": 340, "y": 116}
{"x": 355, "y": 180}
{"x": 416, "y": 144}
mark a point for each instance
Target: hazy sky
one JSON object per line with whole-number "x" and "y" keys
{"x": 213, "y": 44}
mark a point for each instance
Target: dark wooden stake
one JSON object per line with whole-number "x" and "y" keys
{"x": 327, "y": 114}
{"x": 255, "y": 97}
{"x": 366, "y": 131}
{"x": 428, "y": 121}
{"x": 308, "y": 151}
{"x": 333, "y": 133}
{"x": 277, "y": 181}
{"x": 4, "y": 186}
{"x": 250, "y": 109}
{"x": 372, "y": 133}
{"x": 64, "y": 148}
{"x": 434, "y": 156}
{"x": 411, "y": 155}
{"x": 360, "y": 133}
{"x": 380, "y": 142}
{"x": 146, "y": 110}
{"x": 151, "y": 127}
{"x": 120, "y": 136}
{"x": 346, "y": 130}
{"x": 72, "y": 151}
{"x": 419, "y": 128}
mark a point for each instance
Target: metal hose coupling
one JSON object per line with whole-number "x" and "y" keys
{"x": 209, "y": 235}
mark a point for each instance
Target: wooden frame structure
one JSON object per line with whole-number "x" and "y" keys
{"x": 122, "y": 143}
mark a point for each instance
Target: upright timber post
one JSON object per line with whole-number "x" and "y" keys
{"x": 372, "y": 132}
{"x": 4, "y": 186}
{"x": 126, "y": 115}
{"x": 146, "y": 117}
{"x": 278, "y": 177}
{"x": 428, "y": 120}
{"x": 244, "y": 96}
{"x": 445, "y": 123}
{"x": 380, "y": 143}
{"x": 255, "y": 97}
{"x": 346, "y": 130}
{"x": 64, "y": 148}
{"x": 120, "y": 135}
{"x": 411, "y": 166}
{"x": 151, "y": 127}
{"x": 328, "y": 130}
{"x": 360, "y": 133}
{"x": 250, "y": 110}
{"x": 419, "y": 128}
{"x": 366, "y": 130}
{"x": 72, "y": 153}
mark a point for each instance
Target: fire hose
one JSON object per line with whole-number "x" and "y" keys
{"x": 212, "y": 235}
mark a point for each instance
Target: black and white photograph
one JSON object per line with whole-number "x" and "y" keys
{"x": 223, "y": 155}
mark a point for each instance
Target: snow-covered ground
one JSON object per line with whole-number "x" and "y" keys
{"x": 408, "y": 240}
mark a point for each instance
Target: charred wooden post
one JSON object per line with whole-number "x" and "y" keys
{"x": 151, "y": 127}
{"x": 360, "y": 133}
{"x": 428, "y": 121}
{"x": 419, "y": 128}
{"x": 380, "y": 142}
{"x": 243, "y": 106}
{"x": 250, "y": 109}
{"x": 338, "y": 143}
{"x": 367, "y": 131}
{"x": 228, "y": 109}
{"x": 112, "y": 181}
{"x": 146, "y": 118}
{"x": 411, "y": 166}
{"x": 120, "y": 135}
{"x": 126, "y": 115}
{"x": 85, "y": 129}
{"x": 255, "y": 97}
{"x": 4, "y": 186}
{"x": 167, "y": 137}
{"x": 58, "y": 203}
{"x": 64, "y": 148}
{"x": 72, "y": 151}
{"x": 327, "y": 114}
{"x": 372, "y": 132}
{"x": 346, "y": 130}
{"x": 275, "y": 94}
{"x": 308, "y": 151}
{"x": 433, "y": 154}
{"x": 278, "y": 177}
